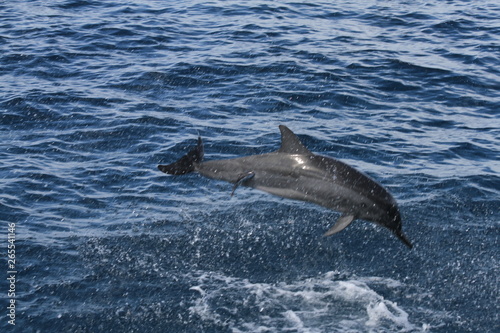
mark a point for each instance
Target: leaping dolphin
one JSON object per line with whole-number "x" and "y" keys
{"x": 296, "y": 173}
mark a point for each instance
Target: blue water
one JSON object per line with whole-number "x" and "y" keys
{"x": 95, "y": 94}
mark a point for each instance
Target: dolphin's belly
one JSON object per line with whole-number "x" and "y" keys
{"x": 326, "y": 193}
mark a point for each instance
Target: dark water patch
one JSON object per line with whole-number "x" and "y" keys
{"x": 396, "y": 86}
{"x": 414, "y": 69}
{"x": 458, "y": 25}
{"x": 385, "y": 21}
{"x": 77, "y": 4}
{"x": 468, "y": 150}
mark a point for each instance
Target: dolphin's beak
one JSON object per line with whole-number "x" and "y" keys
{"x": 403, "y": 238}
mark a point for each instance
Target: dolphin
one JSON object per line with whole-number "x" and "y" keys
{"x": 294, "y": 172}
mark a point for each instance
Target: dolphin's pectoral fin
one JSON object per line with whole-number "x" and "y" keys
{"x": 243, "y": 179}
{"x": 340, "y": 225}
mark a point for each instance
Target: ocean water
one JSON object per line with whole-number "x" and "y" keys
{"x": 95, "y": 94}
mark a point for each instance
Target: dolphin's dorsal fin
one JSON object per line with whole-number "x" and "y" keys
{"x": 290, "y": 143}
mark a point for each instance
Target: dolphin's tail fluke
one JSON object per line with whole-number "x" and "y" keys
{"x": 186, "y": 163}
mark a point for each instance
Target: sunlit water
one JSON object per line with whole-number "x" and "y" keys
{"x": 95, "y": 94}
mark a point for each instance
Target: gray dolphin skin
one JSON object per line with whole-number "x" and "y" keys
{"x": 294, "y": 172}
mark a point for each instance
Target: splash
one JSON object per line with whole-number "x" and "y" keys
{"x": 320, "y": 304}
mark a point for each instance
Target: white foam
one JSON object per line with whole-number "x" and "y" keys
{"x": 320, "y": 304}
{"x": 293, "y": 319}
{"x": 380, "y": 311}
{"x": 202, "y": 307}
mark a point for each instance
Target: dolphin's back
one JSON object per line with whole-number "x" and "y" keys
{"x": 347, "y": 176}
